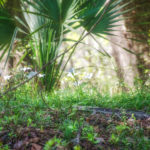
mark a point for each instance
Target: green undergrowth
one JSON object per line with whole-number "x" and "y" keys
{"x": 27, "y": 107}
{"x": 137, "y": 100}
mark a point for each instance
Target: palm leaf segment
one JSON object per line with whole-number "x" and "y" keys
{"x": 7, "y": 30}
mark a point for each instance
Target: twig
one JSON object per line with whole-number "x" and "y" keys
{"x": 117, "y": 112}
{"x": 46, "y": 104}
{"x": 76, "y": 141}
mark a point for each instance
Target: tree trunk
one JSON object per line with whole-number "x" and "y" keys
{"x": 126, "y": 62}
{"x": 139, "y": 23}
{"x": 133, "y": 35}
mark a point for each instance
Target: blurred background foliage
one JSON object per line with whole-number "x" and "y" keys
{"x": 113, "y": 58}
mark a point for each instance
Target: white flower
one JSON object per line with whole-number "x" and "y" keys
{"x": 71, "y": 70}
{"x": 7, "y": 77}
{"x": 77, "y": 83}
{"x": 41, "y": 75}
{"x": 25, "y": 69}
{"x": 88, "y": 76}
{"x": 70, "y": 75}
{"x": 31, "y": 74}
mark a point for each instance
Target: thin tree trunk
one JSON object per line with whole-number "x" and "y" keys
{"x": 126, "y": 62}
{"x": 139, "y": 22}
{"x": 133, "y": 35}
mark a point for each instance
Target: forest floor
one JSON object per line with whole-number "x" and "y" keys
{"x": 55, "y": 122}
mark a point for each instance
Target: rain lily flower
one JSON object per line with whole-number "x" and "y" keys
{"x": 88, "y": 76}
{"x": 25, "y": 69}
{"x": 77, "y": 83}
{"x": 71, "y": 70}
{"x": 70, "y": 75}
{"x": 31, "y": 74}
{"x": 41, "y": 75}
{"x": 7, "y": 77}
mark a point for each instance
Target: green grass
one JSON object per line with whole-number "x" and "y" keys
{"x": 137, "y": 100}
{"x": 26, "y": 107}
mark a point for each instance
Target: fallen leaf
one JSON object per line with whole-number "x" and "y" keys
{"x": 100, "y": 140}
{"x": 34, "y": 140}
{"x": 19, "y": 144}
{"x": 36, "y": 147}
{"x": 131, "y": 121}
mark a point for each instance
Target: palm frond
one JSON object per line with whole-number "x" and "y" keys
{"x": 8, "y": 32}
{"x": 89, "y": 16}
{"x": 7, "y": 27}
